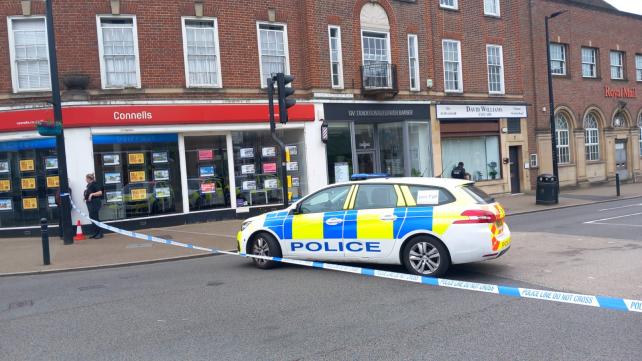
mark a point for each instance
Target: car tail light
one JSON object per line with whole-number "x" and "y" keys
{"x": 477, "y": 216}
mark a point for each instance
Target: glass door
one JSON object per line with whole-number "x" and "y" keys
{"x": 366, "y": 146}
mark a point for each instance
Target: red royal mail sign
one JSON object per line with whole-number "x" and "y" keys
{"x": 620, "y": 92}
{"x": 131, "y": 115}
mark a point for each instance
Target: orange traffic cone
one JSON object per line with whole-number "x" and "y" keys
{"x": 79, "y": 235}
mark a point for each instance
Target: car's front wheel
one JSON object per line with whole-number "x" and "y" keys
{"x": 425, "y": 256}
{"x": 265, "y": 245}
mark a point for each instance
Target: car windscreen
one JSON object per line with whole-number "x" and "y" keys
{"x": 477, "y": 194}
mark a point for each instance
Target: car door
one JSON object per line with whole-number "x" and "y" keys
{"x": 317, "y": 226}
{"x": 376, "y": 212}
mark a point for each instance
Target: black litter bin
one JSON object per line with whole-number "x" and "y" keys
{"x": 547, "y": 189}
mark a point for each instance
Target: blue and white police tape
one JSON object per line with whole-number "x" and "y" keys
{"x": 619, "y": 304}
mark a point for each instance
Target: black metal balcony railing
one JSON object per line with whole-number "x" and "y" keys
{"x": 379, "y": 78}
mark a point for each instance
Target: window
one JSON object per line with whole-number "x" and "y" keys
{"x": 638, "y": 67}
{"x": 413, "y": 62}
{"x": 336, "y": 57}
{"x": 477, "y": 194}
{"x": 29, "y": 54}
{"x": 373, "y": 196}
{"x": 376, "y": 60}
{"x": 118, "y": 51}
{"x": 444, "y": 195}
{"x": 273, "y": 50}
{"x": 640, "y": 126}
{"x": 480, "y": 155}
{"x": 327, "y": 200}
{"x": 558, "y": 59}
{"x": 514, "y": 125}
{"x": 206, "y": 164}
{"x": 448, "y": 4}
{"x": 491, "y": 7}
{"x": 201, "y": 53}
{"x": 589, "y": 63}
{"x": 591, "y": 137}
{"x": 495, "y": 61}
{"x": 452, "y": 66}
{"x": 617, "y": 65}
{"x": 561, "y": 132}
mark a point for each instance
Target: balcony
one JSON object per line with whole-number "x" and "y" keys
{"x": 379, "y": 79}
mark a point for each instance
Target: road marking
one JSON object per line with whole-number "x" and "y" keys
{"x": 616, "y": 224}
{"x": 628, "y": 206}
{"x": 198, "y": 233}
{"x": 616, "y": 217}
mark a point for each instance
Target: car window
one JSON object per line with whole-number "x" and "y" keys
{"x": 327, "y": 200}
{"x": 430, "y": 196}
{"x": 477, "y": 194}
{"x": 370, "y": 196}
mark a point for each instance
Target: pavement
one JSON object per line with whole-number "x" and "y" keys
{"x": 24, "y": 255}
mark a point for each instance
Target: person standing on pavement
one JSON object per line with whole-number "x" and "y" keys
{"x": 94, "y": 200}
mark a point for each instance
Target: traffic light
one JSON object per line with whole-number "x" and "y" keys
{"x": 284, "y": 92}
{"x": 49, "y": 129}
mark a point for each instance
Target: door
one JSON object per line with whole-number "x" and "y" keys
{"x": 620, "y": 158}
{"x": 368, "y": 230}
{"x": 317, "y": 228}
{"x": 365, "y": 148}
{"x": 513, "y": 154}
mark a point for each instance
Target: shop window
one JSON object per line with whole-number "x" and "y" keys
{"x": 273, "y": 50}
{"x": 208, "y": 180}
{"x": 419, "y": 143}
{"x": 336, "y": 57}
{"x": 118, "y": 50}
{"x": 140, "y": 175}
{"x": 391, "y": 149}
{"x": 29, "y": 54}
{"x": 480, "y": 156}
{"x": 257, "y": 171}
{"x": 591, "y": 137}
{"x": 201, "y": 51}
{"x": 558, "y": 59}
{"x": 339, "y": 151}
{"x": 561, "y": 130}
{"x": 29, "y": 182}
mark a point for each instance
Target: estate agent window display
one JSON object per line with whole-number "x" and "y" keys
{"x": 207, "y": 172}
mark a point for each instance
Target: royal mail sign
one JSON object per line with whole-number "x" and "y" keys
{"x": 620, "y": 92}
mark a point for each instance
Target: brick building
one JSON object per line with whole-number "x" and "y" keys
{"x": 165, "y": 100}
{"x": 597, "y": 70}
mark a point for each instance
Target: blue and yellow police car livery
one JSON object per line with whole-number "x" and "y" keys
{"x": 425, "y": 224}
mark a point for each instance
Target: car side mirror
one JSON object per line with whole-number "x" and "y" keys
{"x": 297, "y": 210}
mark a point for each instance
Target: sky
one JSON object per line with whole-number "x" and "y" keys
{"x": 632, "y": 6}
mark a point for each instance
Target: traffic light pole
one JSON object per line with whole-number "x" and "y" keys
{"x": 65, "y": 207}
{"x": 279, "y": 142}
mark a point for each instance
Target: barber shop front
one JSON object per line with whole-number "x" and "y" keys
{"x": 392, "y": 138}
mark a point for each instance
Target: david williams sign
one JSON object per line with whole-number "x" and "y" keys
{"x": 480, "y": 111}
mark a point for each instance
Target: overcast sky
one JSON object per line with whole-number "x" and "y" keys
{"x": 632, "y": 6}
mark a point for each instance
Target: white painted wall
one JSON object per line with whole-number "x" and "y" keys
{"x": 80, "y": 161}
{"x": 315, "y": 153}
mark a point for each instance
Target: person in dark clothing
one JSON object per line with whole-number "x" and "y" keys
{"x": 94, "y": 200}
{"x": 459, "y": 172}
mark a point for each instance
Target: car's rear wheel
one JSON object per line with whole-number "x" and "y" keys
{"x": 265, "y": 245}
{"x": 426, "y": 256}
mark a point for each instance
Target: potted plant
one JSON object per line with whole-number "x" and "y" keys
{"x": 493, "y": 169}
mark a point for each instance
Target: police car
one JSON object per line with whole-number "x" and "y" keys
{"x": 425, "y": 224}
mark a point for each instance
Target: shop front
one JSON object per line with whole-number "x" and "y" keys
{"x": 391, "y": 138}
{"x": 158, "y": 164}
{"x": 490, "y": 140}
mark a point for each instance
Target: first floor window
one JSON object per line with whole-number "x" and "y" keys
{"x": 558, "y": 59}
{"x": 591, "y": 137}
{"x": 640, "y": 126}
{"x": 29, "y": 54}
{"x": 413, "y": 60}
{"x": 617, "y": 65}
{"x": 638, "y": 67}
{"x": 336, "y": 58}
{"x": 376, "y": 60}
{"x": 200, "y": 44}
{"x": 491, "y": 7}
{"x": 480, "y": 156}
{"x": 273, "y": 50}
{"x": 118, "y": 47}
{"x": 449, "y": 4}
{"x": 495, "y": 64}
{"x": 561, "y": 132}
{"x": 589, "y": 62}
{"x": 452, "y": 66}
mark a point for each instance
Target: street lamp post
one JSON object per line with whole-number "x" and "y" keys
{"x": 65, "y": 207}
{"x": 551, "y": 105}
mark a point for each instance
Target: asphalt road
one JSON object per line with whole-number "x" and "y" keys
{"x": 222, "y": 308}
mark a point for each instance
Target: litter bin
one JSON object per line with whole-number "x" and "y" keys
{"x": 547, "y": 189}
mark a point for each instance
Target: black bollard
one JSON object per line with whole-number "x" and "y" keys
{"x": 45, "y": 241}
{"x": 617, "y": 184}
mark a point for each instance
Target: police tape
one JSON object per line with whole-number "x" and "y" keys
{"x": 620, "y": 304}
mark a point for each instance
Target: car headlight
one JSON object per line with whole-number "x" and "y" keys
{"x": 245, "y": 224}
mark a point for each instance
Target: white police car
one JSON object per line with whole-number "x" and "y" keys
{"x": 425, "y": 224}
